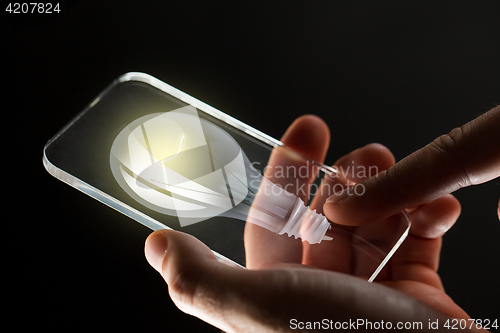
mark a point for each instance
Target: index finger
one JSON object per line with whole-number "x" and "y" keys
{"x": 468, "y": 155}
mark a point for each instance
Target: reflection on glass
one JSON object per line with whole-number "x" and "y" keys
{"x": 180, "y": 165}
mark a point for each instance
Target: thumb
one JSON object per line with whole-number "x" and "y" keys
{"x": 229, "y": 297}
{"x": 466, "y": 156}
{"x": 236, "y": 300}
{"x": 197, "y": 283}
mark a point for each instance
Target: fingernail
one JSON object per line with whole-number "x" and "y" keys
{"x": 338, "y": 197}
{"x": 156, "y": 246}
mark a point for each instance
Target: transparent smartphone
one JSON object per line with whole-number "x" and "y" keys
{"x": 168, "y": 160}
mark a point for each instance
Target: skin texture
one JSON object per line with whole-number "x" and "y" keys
{"x": 468, "y": 155}
{"x": 289, "y": 279}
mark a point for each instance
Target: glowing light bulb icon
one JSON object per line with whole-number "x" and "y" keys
{"x": 179, "y": 164}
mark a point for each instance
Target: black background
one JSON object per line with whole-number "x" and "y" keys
{"x": 398, "y": 73}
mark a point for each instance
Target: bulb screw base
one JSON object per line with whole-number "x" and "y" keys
{"x": 306, "y": 224}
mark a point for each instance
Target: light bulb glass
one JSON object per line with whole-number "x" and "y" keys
{"x": 178, "y": 164}
{"x": 169, "y": 160}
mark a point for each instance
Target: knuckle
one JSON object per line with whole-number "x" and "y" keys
{"x": 190, "y": 288}
{"x": 182, "y": 286}
{"x": 452, "y": 145}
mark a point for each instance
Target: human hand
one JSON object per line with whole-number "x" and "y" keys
{"x": 468, "y": 155}
{"x": 288, "y": 279}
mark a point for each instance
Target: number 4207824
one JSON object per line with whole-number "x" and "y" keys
{"x": 32, "y": 8}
